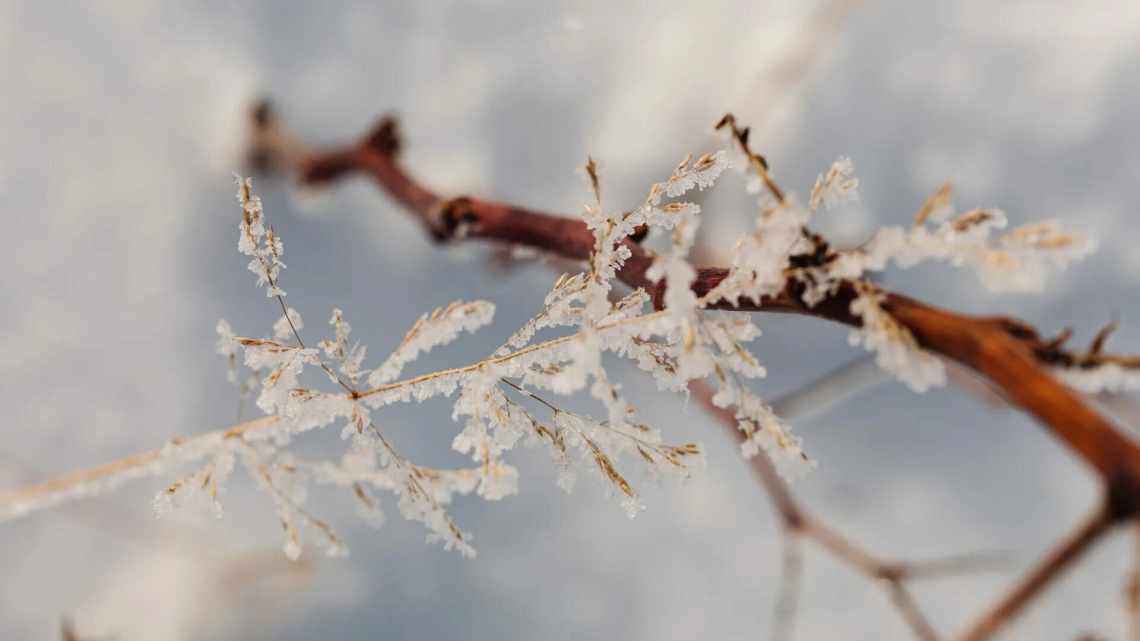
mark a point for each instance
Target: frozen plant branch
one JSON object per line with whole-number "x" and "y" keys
{"x": 783, "y": 266}
{"x": 1009, "y": 353}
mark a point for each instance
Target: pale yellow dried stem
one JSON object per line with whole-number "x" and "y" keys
{"x": 61, "y": 485}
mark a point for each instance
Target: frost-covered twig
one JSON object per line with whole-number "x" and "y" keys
{"x": 782, "y": 266}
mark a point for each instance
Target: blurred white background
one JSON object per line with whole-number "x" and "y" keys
{"x": 121, "y": 127}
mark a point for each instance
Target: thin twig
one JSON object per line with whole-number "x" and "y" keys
{"x": 1047, "y": 570}
{"x": 797, "y": 525}
{"x": 1132, "y": 587}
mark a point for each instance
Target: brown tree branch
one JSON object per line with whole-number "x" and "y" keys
{"x": 1049, "y": 568}
{"x": 798, "y": 525}
{"x": 1008, "y": 352}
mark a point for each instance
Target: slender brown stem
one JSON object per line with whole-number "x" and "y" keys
{"x": 798, "y": 525}
{"x": 1047, "y": 570}
{"x": 791, "y": 576}
{"x": 1132, "y": 587}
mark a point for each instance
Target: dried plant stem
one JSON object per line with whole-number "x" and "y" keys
{"x": 77, "y": 484}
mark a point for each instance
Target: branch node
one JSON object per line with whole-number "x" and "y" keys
{"x": 890, "y": 572}
{"x": 1122, "y": 499}
{"x": 384, "y": 138}
{"x": 451, "y": 216}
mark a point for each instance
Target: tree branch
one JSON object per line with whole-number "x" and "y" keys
{"x": 1008, "y": 352}
{"x": 1054, "y": 563}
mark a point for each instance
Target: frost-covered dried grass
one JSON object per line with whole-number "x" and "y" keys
{"x": 507, "y": 399}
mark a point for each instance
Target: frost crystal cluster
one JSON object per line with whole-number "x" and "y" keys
{"x": 505, "y": 400}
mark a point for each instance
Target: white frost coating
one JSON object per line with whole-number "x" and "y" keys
{"x": 764, "y": 431}
{"x": 760, "y": 260}
{"x": 282, "y": 330}
{"x": 280, "y": 483}
{"x": 700, "y": 174}
{"x": 349, "y": 359}
{"x": 201, "y": 490}
{"x": 258, "y": 241}
{"x": 103, "y": 479}
{"x": 1017, "y": 261}
{"x": 838, "y": 185}
{"x": 491, "y": 429}
{"x": 894, "y": 346}
{"x": 1110, "y": 377}
{"x": 432, "y": 330}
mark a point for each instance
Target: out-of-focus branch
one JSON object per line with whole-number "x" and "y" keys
{"x": 798, "y": 525}
{"x": 1048, "y": 569}
{"x": 1132, "y": 588}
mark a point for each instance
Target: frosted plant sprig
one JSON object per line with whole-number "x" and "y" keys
{"x": 179, "y": 452}
{"x": 348, "y": 358}
{"x": 895, "y": 348}
{"x": 602, "y": 442}
{"x": 306, "y": 409}
{"x": 442, "y": 326}
{"x": 416, "y": 502}
{"x": 491, "y": 430}
{"x": 784, "y": 255}
{"x": 289, "y": 509}
{"x": 202, "y": 487}
{"x": 838, "y": 185}
{"x": 1016, "y": 261}
{"x": 258, "y": 240}
{"x": 680, "y": 344}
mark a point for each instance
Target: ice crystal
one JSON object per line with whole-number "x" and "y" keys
{"x": 440, "y": 327}
{"x": 895, "y": 348}
{"x": 348, "y": 358}
{"x": 1108, "y": 377}
{"x": 838, "y": 185}
{"x": 259, "y": 241}
{"x": 289, "y": 323}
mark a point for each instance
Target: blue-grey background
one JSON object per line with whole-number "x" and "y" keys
{"x": 122, "y": 123}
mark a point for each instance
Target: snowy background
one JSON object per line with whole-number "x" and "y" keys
{"x": 121, "y": 127}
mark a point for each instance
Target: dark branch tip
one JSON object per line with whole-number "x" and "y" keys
{"x": 1098, "y": 341}
{"x": 384, "y": 138}
{"x": 263, "y": 119}
{"x": 1122, "y": 500}
{"x": 262, "y": 113}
